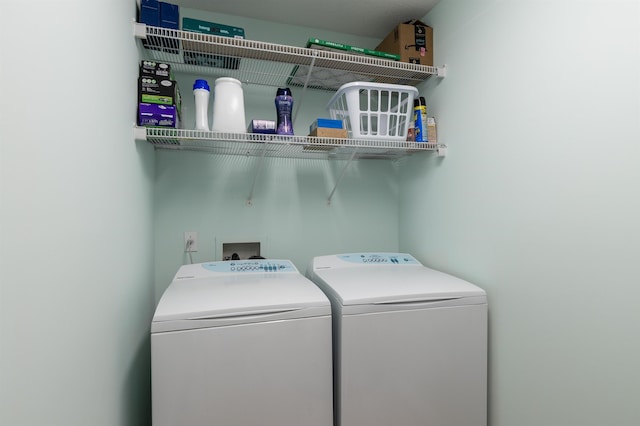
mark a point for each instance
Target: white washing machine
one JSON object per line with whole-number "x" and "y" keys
{"x": 410, "y": 343}
{"x": 241, "y": 343}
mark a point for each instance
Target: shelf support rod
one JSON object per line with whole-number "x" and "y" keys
{"x": 304, "y": 88}
{"x": 344, "y": 169}
{"x": 255, "y": 175}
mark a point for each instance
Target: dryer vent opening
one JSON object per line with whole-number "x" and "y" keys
{"x": 241, "y": 251}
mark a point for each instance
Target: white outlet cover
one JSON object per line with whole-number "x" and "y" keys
{"x": 193, "y": 236}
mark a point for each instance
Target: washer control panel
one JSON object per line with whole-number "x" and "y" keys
{"x": 248, "y": 266}
{"x": 380, "y": 258}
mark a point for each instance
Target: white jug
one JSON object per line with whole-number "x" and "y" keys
{"x": 228, "y": 106}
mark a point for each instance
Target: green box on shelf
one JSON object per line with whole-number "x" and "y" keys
{"x": 316, "y": 43}
{"x": 204, "y": 27}
{"x": 194, "y": 53}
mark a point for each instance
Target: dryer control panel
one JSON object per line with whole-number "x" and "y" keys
{"x": 380, "y": 258}
{"x": 256, "y": 265}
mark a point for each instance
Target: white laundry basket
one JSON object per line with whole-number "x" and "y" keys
{"x": 374, "y": 110}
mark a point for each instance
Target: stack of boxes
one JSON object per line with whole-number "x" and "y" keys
{"x": 159, "y": 101}
{"x": 159, "y": 14}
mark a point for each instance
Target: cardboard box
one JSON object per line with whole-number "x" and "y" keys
{"x": 155, "y": 69}
{"x": 212, "y": 28}
{"x": 315, "y": 43}
{"x": 262, "y": 126}
{"x": 149, "y": 13}
{"x": 152, "y": 90}
{"x": 412, "y": 40}
{"x": 157, "y": 115}
{"x": 159, "y": 14}
{"x": 326, "y": 123}
{"x": 432, "y": 136}
{"x": 323, "y": 132}
{"x": 159, "y": 91}
{"x": 169, "y": 16}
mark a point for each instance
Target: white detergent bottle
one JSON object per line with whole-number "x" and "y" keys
{"x": 201, "y": 93}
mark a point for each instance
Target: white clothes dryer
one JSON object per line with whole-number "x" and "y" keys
{"x": 410, "y": 343}
{"x": 241, "y": 343}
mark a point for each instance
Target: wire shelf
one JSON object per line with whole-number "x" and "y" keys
{"x": 272, "y": 64}
{"x": 281, "y": 146}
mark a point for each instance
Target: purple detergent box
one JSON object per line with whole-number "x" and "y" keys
{"x": 157, "y": 115}
{"x": 262, "y": 126}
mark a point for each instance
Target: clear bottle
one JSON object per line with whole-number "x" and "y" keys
{"x": 284, "y": 106}
{"x": 201, "y": 93}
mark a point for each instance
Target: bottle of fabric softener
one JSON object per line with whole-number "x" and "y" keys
{"x": 284, "y": 106}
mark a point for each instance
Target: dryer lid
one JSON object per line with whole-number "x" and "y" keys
{"x": 387, "y": 279}
{"x": 239, "y": 292}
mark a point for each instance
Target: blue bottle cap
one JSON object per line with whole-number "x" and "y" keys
{"x": 201, "y": 84}
{"x": 283, "y": 92}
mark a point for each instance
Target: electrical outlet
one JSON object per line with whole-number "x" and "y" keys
{"x": 193, "y": 237}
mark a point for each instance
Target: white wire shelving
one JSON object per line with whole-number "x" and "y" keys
{"x": 256, "y": 62}
{"x": 269, "y": 64}
{"x": 281, "y": 146}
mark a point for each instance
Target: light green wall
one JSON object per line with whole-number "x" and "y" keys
{"x": 289, "y": 213}
{"x": 76, "y": 235}
{"x": 538, "y": 201}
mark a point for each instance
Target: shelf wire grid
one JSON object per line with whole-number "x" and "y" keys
{"x": 281, "y": 146}
{"x": 273, "y": 64}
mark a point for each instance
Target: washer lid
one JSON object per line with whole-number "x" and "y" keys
{"x": 237, "y": 292}
{"x": 389, "y": 279}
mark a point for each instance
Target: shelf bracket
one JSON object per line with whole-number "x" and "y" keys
{"x": 255, "y": 175}
{"x": 344, "y": 169}
{"x": 304, "y": 88}
{"x": 139, "y": 133}
{"x": 442, "y": 71}
{"x": 140, "y": 30}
